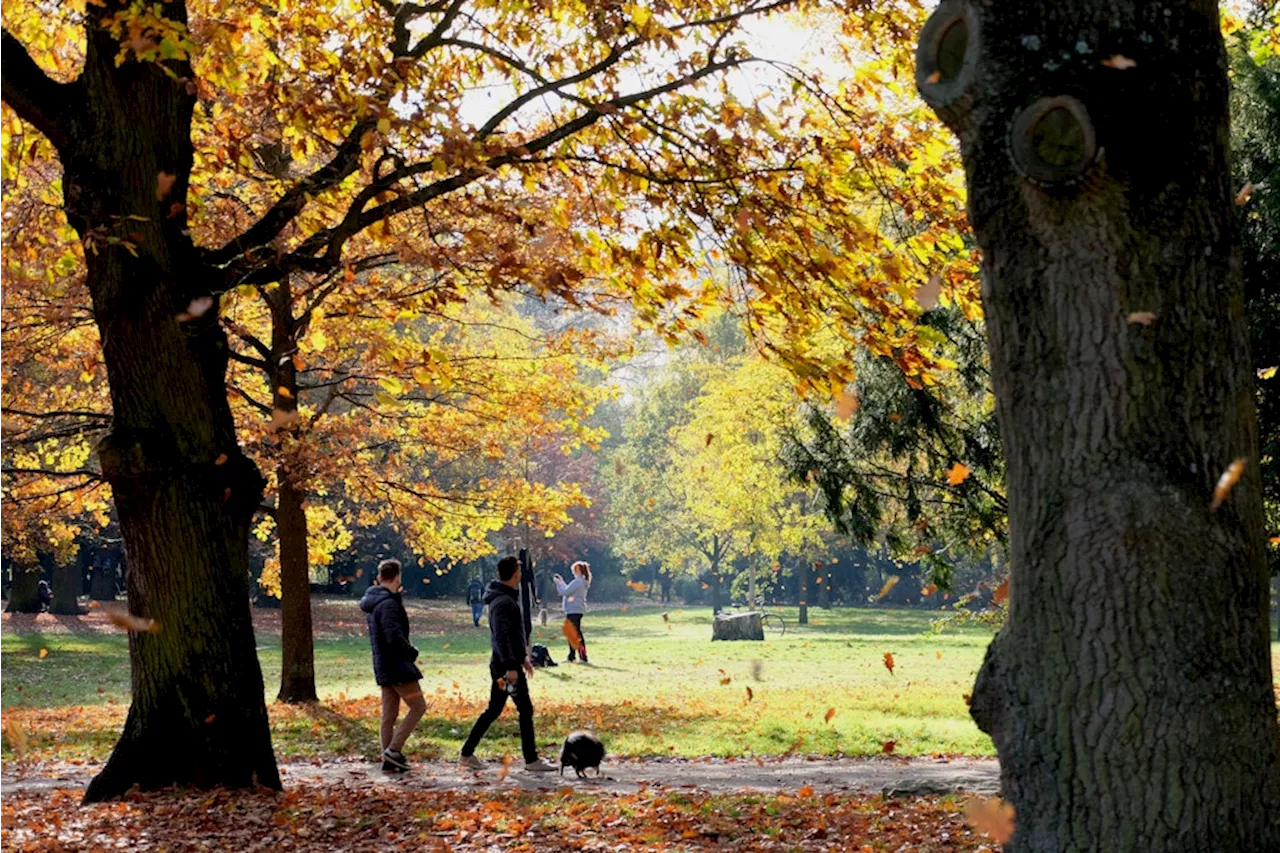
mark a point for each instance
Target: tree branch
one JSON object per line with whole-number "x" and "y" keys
{"x": 50, "y": 106}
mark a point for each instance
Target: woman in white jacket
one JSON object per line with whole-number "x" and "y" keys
{"x": 574, "y": 595}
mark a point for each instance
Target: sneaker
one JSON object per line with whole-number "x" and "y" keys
{"x": 470, "y": 762}
{"x": 393, "y": 761}
{"x": 539, "y": 766}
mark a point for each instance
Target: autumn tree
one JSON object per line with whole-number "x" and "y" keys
{"x": 1094, "y": 138}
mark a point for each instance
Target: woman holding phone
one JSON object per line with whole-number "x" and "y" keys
{"x": 574, "y": 596}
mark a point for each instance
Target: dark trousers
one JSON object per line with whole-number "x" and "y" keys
{"x": 477, "y": 610}
{"x": 498, "y": 701}
{"x": 576, "y": 619}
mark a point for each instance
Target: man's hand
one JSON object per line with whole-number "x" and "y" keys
{"x": 512, "y": 676}
{"x": 528, "y": 667}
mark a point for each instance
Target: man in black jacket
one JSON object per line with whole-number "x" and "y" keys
{"x": 393, "y": 663}
{"x": 509, "y": 658}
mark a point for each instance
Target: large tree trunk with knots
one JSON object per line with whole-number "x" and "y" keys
{"x": 1130, "y": 693}
{"x": 184, "y": 492}
{"x": 66, "y": 589}
{"x": 24, "y": 590}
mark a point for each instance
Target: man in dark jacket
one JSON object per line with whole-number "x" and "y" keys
{"x": 509, "y": 658}
{"x": 475, "y": 597}
{"x": 393, "y": 663}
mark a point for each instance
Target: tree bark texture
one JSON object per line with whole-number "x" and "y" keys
{"x": 184, "y": 492}
{"x": 66, "y": 589}
{"x": 24, "y": 595}
{"x": 1130, "y": 693}
{"x": 297, "y": 673}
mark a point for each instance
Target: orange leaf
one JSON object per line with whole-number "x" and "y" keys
{"x": 129, "y": 622}
{"x": 934, "y": 77}
{"x": 1001, "y": 595}
{"x": 1242, "y": 197}
{"x": 1226, "y": 483}
{"x": 927, "y": 294}
{"x": 847, "y": 405}
{"x": 888, "y": 585}
{"x": 209, "y": 719}
{"x": 831, "y": 713}
{"x": 44, "y": 653}
{"x": 966, "y": 697}
{"x": 993, "y": 817}
{"x": 164, "y": 185}
{"x": 221, "y": 460}
{"x": 17, "y": 736}
{"x": 750, "y": 694}
{"x": 888, "y": 747}
{"x": 958, "y": 473}
{"x": 726, "y": 679}
{"x": 284, "y": 392}
{"x": 888, "y": 662}
{"x": 806, "y": 791}
{"x": 1120, "y": 63}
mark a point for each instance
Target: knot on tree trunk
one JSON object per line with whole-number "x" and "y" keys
{"x": 947, "y": 63}
{"x": 1052, "y": 142}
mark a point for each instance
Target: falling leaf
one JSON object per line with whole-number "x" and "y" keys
{"x": 44, "y": 653}
{"x": 958, "y": 473}
{"x": 17, "y": 736}
{"x": 757, "y": 670}
{"x": 1144, "y": 318}
{"x": 384, "y": 125}
{"x": 966, "y": 697}
{"x": 847, "y": 405}
{"x": 805, "y": 792}
{"x": 1226, "y": 483}
{"x": 1242, "y": 197}
{"x": 939, "y": 655}
{"x": 895, "y": 418}
{"x": 750, "y": 694}
{"x": 1120, "y": 62}
{"x": 1274, "y": 540}
{"x": 226, "y": 494}
{"x": 726, "y": 680}
{"x": 1001, "y": 595}
{"x": 359, "y": 573}
{"x": 888, "y": 747}
{"x": 176, "y": 208}
{"x": 209, "y": 719}
{"x": 281, "y": 419}
{"x": 993, "y": 818}
{"x": 710, "y": 438}
{"x": 933, "y": 78}
{"x": 221, "y": 460}
{"x": 830, "y": 715}
{"x": 1267, "y": 373}
{"x": 138, "y": 624}
{"x": 164, "y": 185}
{"x": 929, "y": 590}
{"x": 198, "y": 307}
{"x": 506, "y": 767}
{"x": 888, "y": 662}
{"x": 927, "y": 294}
{"x": 284, "y": 392}
{"x": 888, "y": 585}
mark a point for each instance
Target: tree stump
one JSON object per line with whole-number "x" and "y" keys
{"x": 738, "y": 626}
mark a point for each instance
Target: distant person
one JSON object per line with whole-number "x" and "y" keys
{"x": 393, "y": 663}
{"x": 509, "y": 669}
{"x": 475, "y": 597}
{"x": 45, "y": 594}
{"x": 574, "y": 595}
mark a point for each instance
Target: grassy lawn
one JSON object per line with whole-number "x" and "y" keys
{"x": 652, "y": 689}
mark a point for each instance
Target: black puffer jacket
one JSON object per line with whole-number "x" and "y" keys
{"x": 393, "y": 656}
{"x": 506, "y": 633}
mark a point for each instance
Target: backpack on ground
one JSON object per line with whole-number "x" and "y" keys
{"x": 541, "y": 656}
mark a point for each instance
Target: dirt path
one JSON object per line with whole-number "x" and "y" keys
{"x": 878, "y": 775}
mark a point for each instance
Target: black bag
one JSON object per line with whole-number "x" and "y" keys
{"x": 541, "y": 656}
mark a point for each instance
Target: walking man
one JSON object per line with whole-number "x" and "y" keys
{"x": 509, "y": 669}
{"x": 393, "y": 663}
{"x": 475, "y": 597}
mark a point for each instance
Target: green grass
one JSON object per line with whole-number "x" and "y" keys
{"x": 653, "y": 690}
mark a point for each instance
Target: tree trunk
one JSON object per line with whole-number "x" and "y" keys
{"x": 804, "y": 593}
{"x": 739, "y": 626}
{"x": 66, "y": 589}
{"x": 184, "y": 492}
{"x": 24, "y": 596}
{"x": 824, "y": 589}
{"x": 1129, "y": 694}
{"x": 751, "y": 584}
{"x": 297, "y": 648}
